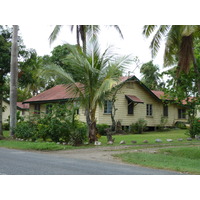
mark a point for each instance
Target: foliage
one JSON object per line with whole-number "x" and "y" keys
{"x": 59, "y": 125}
{"x": 151, "y": 76}
{"x": 101, "y": 128}
{"x": 195, "y": 128}
{"x": 163, "y": 122}
{"x": 139, "y": 126}
{"x": 6, "y": 126}
{"x": 26, "y": 130}
{"x": 97, "y": 74}
{"x": 180, "y": 125}
{"x": 79, "y": 134}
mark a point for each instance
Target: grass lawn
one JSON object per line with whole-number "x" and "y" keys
{"x": 150, "y": 136}
{"x": 183, "y": 159}
{"x": 174, "y": 134}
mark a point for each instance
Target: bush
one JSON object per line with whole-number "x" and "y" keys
{"x": 195, "y": 128}
{"x": 139, "y": 126}
{"x": 180, "y": 125}
{"x": 56, "y": 125}
{"x": 101, "y": 128}
{"x": 26, "y": 130}
{"x": 79, "y": 134}
{"x": 6, "y": 126}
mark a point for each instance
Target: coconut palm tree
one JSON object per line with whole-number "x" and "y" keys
{"x": 179, "y": 45}
{"x": 81, "y": 32}
{"x": 98, "y": 73}
{"x": 13, "y": 80}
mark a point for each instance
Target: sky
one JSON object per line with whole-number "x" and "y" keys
{"x": 134, "y": 43}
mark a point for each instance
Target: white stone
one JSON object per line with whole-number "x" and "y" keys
{"x": 122, "y": 142}
{"x": 97, "y": 143}
{"x": 169, "y": 140}
{"x": 110, "y": 142}
{"x": 180, "y": 139}
{"x": 158, "y": 140}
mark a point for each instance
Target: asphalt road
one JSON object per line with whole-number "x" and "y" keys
{"x": 17, "y": 162}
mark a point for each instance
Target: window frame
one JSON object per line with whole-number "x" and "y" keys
{"x": 149, "y": 110}
{"x": 107, "y": 107}
{"x": 181, "y": 113}
{"x": 165, "y": 110}
{"x": 130, "y": 107}
{"x": 37, "y": 109}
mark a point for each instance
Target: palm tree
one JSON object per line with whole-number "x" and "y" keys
{"x": 13, "y": 80}
{"x": 81, "y": 32}
{"x": 179, "y": 46}
{"x": 150, "y": 75}
{"x": 98, "y": 73}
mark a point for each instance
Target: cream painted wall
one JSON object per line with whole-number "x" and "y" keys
{"x": 139, "y": 110}
{"x": 6, "y": 112}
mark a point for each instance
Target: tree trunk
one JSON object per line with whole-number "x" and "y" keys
{"x": 113, "y": 111}
{"x": 92, "y": 127}
{"x": 197, "y": 76}
{"x": 13, "y": 81}
{"x": 1, "y": 115}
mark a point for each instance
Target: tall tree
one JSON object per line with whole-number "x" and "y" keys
{"x": 98, "y": 73}
{"x": 13, "y": 80}
{"x": 30, "y": 73}
{"x": 82, "y": 31}
{"x": 179, "y": 46}
{"x": 5, "y": 44}
{"x": 151, "y": 76}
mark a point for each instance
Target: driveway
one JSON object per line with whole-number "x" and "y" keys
{"x": 97, "y": 161}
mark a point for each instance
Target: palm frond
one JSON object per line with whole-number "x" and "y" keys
{"x": 148, "y": 30}
{"x": 54, "y": 33}
{"x": 155, "y": 43}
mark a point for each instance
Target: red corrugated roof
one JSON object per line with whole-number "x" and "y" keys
{"x": 22, "y": 106}
{"x": 55, "y": 93}
{"x": 134, "y": 99}
{"x": 59, "y": 92}
{"x": 159, "y": 94}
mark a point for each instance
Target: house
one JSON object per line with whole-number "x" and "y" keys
{"x": 133, "y": 101}
{"x": 22, "y": 108}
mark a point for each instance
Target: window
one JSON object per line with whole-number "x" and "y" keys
{"x": 77, "y": 111}
{"x": 107, "y": 107}
{"x": 130, "y": 107}
{"x": 49, "y": 109}
{"x": 181, "y": 113}
{"x": 37, "y": 109}
{"x": 165, "y": 110}
{"x": 149, "y": 110}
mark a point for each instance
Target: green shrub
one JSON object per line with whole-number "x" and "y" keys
{"x": 79, "y": 134}
{"x": 101, "y": 128}
{"x": 195, "y": 128}
{"x": 6, "y": 126}
{"x": 139, "y": 126}
{"x": 26, "y": 130}
{"x": 180, "y": 125}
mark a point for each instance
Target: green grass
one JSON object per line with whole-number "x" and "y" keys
{"x": 150, "y": 136}
{"x": 182, "y": 159}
